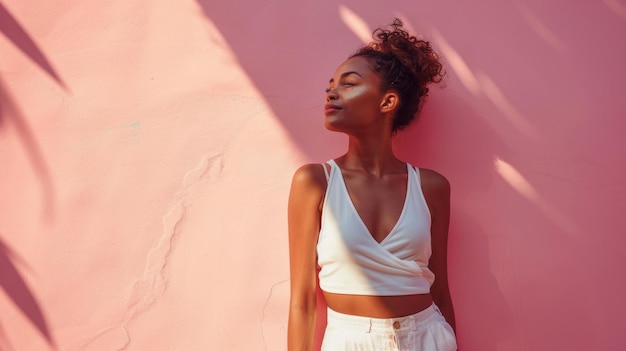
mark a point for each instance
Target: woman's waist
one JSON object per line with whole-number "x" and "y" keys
{"x": 378, "y": 306}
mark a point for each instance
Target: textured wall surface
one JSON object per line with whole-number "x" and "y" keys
{"x": 146, "y": 150}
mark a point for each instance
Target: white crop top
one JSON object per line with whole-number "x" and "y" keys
{"x": 352, "y": 262}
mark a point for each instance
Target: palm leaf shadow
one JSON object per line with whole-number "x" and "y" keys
{"x": 8, "y": 110}
{"x": 11, "y": 28}
{"x": 10, "y": 279}
{"x": 17, "y": 290}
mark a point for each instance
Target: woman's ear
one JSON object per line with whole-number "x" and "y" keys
{"x": 389, "y": 102}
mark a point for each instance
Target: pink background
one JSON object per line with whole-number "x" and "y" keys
{"x": 146, "y": 150}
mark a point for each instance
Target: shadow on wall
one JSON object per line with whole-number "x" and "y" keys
{"x": 495, "y": 125}
{"x": 11, "y": 28}
{"x": 496, "y": 319}
{"x": 473, "y": 284}
{"x": 17, "y": 290}
{"x": 307, "y": 43}
{"x": 11, "y": 281}
{"x": 10, "y": 113}
{"x": 289, "y": 59}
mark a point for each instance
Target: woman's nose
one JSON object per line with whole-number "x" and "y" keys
{"x": 330, "y": 94}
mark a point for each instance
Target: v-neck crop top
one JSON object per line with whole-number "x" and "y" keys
{"x": 352, "y": 262}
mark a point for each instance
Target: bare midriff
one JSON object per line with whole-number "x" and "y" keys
{"x": 378, "y": 306}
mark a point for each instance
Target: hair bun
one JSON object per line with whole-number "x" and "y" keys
{"x": 407, "y": 64}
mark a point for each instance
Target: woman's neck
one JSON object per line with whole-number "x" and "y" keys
{"x": 372, "y": 155}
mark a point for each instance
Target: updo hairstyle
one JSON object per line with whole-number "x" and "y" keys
{"x": 407, "y": 65}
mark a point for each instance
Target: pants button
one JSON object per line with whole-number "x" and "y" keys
{"x": 396, "y": 325}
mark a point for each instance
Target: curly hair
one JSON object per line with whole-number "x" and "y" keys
{"x": 407, "y": 65}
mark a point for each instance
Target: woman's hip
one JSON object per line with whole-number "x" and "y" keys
{"x": 426, "y": 330}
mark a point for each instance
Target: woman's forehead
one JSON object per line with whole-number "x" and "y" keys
{"x": 357, "y": 64}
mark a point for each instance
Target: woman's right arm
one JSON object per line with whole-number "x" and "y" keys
{"x": 304, "y": 212}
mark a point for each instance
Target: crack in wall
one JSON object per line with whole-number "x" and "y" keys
{"x": 154, "y": 281}
{"x": 128, "y": 340}
{"x": 267, "y": 300}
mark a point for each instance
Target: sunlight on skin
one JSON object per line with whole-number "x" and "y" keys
{"x": 539, "y": 27}
{"x": 617, "y": 7}
{"x": 495, "y": 95}
{"x": 356, "y": 24}
{"x": 517, "y": 181}
{"x": 454, "y": 60}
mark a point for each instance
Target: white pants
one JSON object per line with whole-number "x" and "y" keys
{"x": 426, "y": 330}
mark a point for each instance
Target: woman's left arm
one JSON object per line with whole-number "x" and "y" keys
{"x": 437, "y": 192}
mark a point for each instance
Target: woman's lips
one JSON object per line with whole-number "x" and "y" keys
{"x": 330, "y": 109}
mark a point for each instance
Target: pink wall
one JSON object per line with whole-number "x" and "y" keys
{"x": 147, "y": 149}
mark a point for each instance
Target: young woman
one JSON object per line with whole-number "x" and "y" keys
{"x": 371, "y": 229}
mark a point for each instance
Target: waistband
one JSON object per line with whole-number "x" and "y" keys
{"x": 373, "y": 325}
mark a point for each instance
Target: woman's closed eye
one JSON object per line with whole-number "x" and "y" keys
{"x": 344, "y": 84}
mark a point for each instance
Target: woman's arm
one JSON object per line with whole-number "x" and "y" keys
{"x": 437, "y": 192}
{"x": 304, "y": 212}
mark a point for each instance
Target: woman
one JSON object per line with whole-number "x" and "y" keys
{"x": 370, "y": 227}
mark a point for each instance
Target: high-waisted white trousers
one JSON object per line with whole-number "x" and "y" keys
{"x": 426, "y": 330}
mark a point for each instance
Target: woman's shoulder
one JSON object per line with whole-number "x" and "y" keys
{"x": 434, "y": 184}
{"x": 432, "y": 178}
{"x": 310, "y": 175}
{"x": 308, "y": 186}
